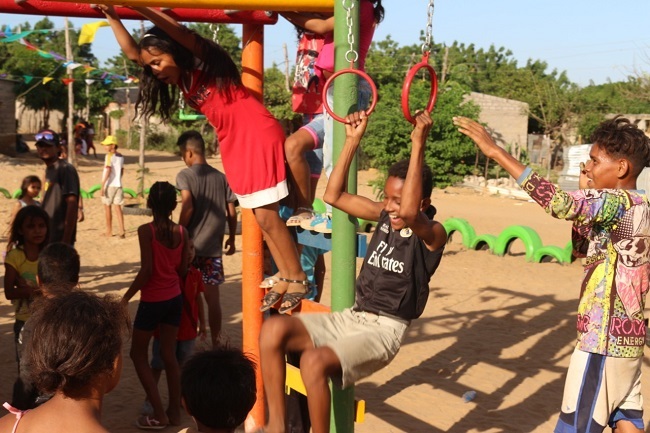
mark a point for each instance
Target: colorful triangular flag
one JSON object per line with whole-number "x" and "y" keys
{"x": 87, "y": 34}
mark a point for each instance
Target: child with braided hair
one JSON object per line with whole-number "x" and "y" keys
{"x": 164, "y": 263}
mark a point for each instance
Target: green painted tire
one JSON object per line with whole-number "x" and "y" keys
{"x": 130, "y": 192}
{"x": 545, "y": 253}
{"x": 17, "y": 193}
{"x": 528, "y": 236}
{"x": 92, "y": 190}
{"x": 461, "y": 226}
{"x": 319, "y": 206}
{"x": 84, "y": 193}
{"x": 484, "y": 242}
{"x": 4, "y": 192}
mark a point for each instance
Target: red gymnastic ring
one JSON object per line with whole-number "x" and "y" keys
{"x": 406, "y": 88}
{"x": 349, "y": 71}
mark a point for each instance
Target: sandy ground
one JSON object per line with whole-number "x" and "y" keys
{"x": 500, "y": 326}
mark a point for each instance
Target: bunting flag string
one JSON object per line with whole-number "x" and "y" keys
{"x": 88, "y": 31}
{"x": 7, "y": 36}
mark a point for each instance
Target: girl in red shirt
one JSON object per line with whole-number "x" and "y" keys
{"x": 250, "y": 139}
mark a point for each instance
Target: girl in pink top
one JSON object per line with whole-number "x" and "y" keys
{"x": 164, "y": 262}
{"x": 317, "y": 134}
{"x": 250, "y": 138}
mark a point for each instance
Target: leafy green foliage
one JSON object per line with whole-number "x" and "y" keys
{"x": 387, "y": 140}
{"x": 18, "y": 61}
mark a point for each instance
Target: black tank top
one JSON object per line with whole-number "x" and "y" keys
{"x": 394, "y": 278}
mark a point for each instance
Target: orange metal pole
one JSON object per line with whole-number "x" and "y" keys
{"x": 252, "y": 251}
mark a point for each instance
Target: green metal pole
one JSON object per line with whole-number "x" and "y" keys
{"x": 344, "y": 238}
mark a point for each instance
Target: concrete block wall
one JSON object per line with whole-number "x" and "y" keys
{"x": 7, "y": 118}
{"x": 507, "y": 118}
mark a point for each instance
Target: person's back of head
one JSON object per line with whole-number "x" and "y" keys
{"x": 218, "y": 388}
{"x": 191, "y": 140}
{"x": 78, "y": 344}
{"x": 620, "y": 138}
{"x": 58, "y": 266}
{"x": 401, "y": 168}
{"x": 162, "y": 199}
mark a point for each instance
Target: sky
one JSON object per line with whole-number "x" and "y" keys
{"x": 593, "y": 41}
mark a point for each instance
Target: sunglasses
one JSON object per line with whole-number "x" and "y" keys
{"x": 47, "y": 136}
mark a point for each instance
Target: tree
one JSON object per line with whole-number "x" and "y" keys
{"x": 33, "y": 66}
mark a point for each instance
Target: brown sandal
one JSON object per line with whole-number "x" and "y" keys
{"x": 269, "y": 300}
{"x": 293, "y": 298}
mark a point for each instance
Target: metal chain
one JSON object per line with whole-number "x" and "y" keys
{"x": 426, "y": 47}
{"x": 351, "y": 54}
{"x": 215, "y": 32}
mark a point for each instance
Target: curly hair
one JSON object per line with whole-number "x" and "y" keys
{"x": 401, "y": 168}
{"x": 620, "y": 138}
{"x": 216, "y": 66}
{"x": 218, "y": 387}
{"x": 77, "y": 338}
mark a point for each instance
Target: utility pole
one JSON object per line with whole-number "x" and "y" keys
{"x": 128, "y": 108}
{"x": 68, "y": 54}
{"x": 444, "y": 66}
{"x": 286, "y": 67}
{"x": 143, "y": 135}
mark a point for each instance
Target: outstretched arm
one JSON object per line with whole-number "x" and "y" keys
{"x": 124, "y": 38}
{"x": 484, "y": 141}
{"x": 173, "y": 28}
{"x": 336, "y": 192}
{"x": 432, "y": 233}
{"x": 314, "y": 24}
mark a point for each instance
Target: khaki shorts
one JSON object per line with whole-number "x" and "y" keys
{"x": 599, "y": 391}
{"x": 364, "y": 342}
{"x": 114, "y": 195}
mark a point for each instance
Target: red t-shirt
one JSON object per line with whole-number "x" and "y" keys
{"x": 251, "y": 140}
{"x": 192, "y": 287}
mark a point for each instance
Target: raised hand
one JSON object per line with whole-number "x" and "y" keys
{"x": 355, "y": 125}
{"x": 423, "y": 124}
{"x": 478, "y": 134}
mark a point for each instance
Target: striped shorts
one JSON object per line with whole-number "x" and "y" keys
{"x": 600, "y": 391}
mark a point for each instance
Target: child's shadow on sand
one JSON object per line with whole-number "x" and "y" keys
{"x": 551, "y": 328}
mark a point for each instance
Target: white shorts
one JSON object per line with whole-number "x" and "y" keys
{"x": 599, "y": 391}
{"x": 364, "y": 342}
{"x": 264, "y": 197}
{"x": 114, "y": 195}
